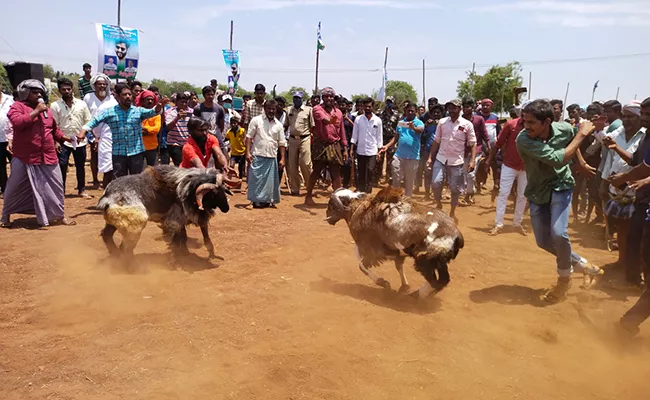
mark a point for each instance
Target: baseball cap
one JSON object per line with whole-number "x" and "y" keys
{"x": 226, "y": 97}
{"x": 455, "y": 102}
{"x": 298, "y": 93}
{"x": 390, "y": 98}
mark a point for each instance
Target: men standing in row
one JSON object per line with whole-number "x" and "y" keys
{"x": 265, "y": 137}
{"x": 511, "y": 170}
{"x": 453, "y": 135}
{"x": 407, "y": 156}
{"x": 101, "y": 139}
{"x": 71, "y": 114}
{"x": 214, "y": 114}
{"x": 430, "y": 118}
{"x": 176, "y": 119}
{"x": 482, "y": 145}
{"x": 35, "y": 185}
{"x": 328, "y": 146}
{"x": 6, "y": 136}
{"x": 254, "y": 107}
{"x": 85, "y": 86}
{"x": 300, "y": 123}
{"x": 493, "y": 129}
{"x": 367, "y": 139}
{"x": 547, "y": 148}
{"x": 389, "y": 117}
{"x": 125, "y": 122}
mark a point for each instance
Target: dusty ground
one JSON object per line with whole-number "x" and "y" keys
{"x": 287, "y": 315}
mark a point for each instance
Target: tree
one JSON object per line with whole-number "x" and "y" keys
{"x": 167, "y": 88}
{"x": 496, "y": 84}
{"x": 288, "y": 95}
{"x": 401, "y": 91}
{"x": 355, "y": 97}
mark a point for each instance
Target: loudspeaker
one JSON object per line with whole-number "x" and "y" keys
{"x": 18, "y": 71}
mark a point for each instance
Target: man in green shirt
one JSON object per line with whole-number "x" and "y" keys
{"x": 547, "y": 148}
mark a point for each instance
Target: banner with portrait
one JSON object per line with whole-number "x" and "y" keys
{"x": 118, "y": 51}
{"x": 231, "y": 58}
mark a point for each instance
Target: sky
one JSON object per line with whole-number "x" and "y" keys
{"x": 277, "y": 41}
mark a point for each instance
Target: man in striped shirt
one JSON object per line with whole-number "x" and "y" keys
{"x": 254, "y": 107}
{"x": 176, "y": 119}
{"x": 125, "y": 122}
{"x": 85, "y": 86}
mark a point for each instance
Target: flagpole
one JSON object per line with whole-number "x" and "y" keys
{"x": 618, "y": 89}
{"x": 317, "y": 57}
{"x": 566, "y": 96}
{"x": 530, "y": 83}
{"x": 424, "y": 96}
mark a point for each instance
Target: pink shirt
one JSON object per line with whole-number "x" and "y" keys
{"x": 34, "y": 138}
{"x": 453, "y": 137}
{"x": 326, "y": 132}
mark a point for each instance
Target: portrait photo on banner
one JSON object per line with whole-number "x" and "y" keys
{"x": 118, "y": 51}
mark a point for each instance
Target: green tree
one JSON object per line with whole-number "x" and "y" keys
{"x": 288, "y": 94}
{"x": 167, "y": 88}
{"x": 400, "y": 90}
{"x": 496, "y": 84}
{"x": 358, "y": 96}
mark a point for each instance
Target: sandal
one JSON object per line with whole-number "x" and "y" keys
{"x": 559, "y": 292}
{"x": 6, "y": 225}
{"x": 496, "y": 230}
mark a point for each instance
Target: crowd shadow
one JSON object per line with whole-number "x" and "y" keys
{"x": 143, "y": 263}
{"x": 612, "y": 283}
{"x": 378, "y": 296}
{"x": 511, "y": 295}
{"x": 27, "y": 223}
{"x": 309, "y": 208}
{"x": 591, "y": 236}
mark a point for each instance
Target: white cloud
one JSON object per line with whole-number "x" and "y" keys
{"x": 579, "y": 14}
{"x": 203, "y": 15}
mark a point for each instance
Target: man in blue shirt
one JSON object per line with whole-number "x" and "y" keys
{"x": 407, "y": 156}
{"x": 637, "y": 179}
{"x": 430, "y": 119}
{"x": 125, "y": 122}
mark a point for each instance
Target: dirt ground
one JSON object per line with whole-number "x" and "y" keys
{"x": 288, "y": 315}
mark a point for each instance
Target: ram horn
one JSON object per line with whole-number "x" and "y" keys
{"x": 202, "y": 190}
{"x": 337, "y": 202}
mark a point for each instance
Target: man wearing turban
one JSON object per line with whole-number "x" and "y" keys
{"x": 36, "y": 184}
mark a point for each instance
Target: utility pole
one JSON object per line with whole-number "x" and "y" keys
{"x": 566, "y": 96}
{"x": 424, "y": 96}
{"x": 530, "y": 83}
{"x": 618, "y": 89}
{"x": 119, "y": 12}
{"x": 232, "y": 27}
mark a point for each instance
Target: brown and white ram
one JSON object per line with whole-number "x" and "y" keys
{"x": 173, "y": 197}
{"x": 387, "y": 225}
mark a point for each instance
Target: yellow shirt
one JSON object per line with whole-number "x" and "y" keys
{"x": 150, "y": 128}
{"x": 237, "y": 142}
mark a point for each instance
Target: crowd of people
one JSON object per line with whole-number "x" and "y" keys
{"x": 596, "y": 160}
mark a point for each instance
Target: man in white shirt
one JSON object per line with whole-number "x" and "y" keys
{"x": 71, "y": 114}
{"x": 265, "y": 136}
{"x": 101, "y": 140}
{"x": 6, "y": 132}
{"x": 453, "y": 134}
{"x": 367, "y": 139}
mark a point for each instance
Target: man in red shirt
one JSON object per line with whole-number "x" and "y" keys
{"x": 200, "y": 146}
{"x": 36, "y": 184}
{"x": 329, "y": 144}
{"x": 511, "y": 170}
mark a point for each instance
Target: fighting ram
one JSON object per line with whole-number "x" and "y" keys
{"x": 173, "y": 197}
{"x": 389, "y": 226}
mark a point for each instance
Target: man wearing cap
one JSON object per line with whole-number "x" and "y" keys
{"x": 389, "y": 118}
{"x": 300, "y": 123}
{"x": 226, "y": 100}
{"x": 328, "y": 147}
{"x": 453, "y": 134}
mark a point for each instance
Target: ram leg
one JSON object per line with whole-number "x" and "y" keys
{"x": 107, "y": 236}
{"x": 178, "y": 246}
{"x": 379, "y": 281}
{"x": 399, "y": 265}
{"x": 206, "y": 239}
